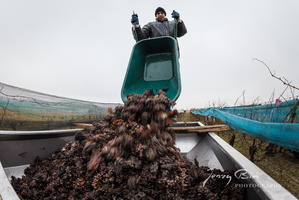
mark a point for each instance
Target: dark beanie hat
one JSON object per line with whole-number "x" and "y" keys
{"x": 159, "y": 9}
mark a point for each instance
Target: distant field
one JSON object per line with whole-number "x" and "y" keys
{"x": 22, "y": 109}
{"x": 42, "y": 120}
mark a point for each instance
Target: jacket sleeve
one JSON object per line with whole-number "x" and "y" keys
{"x": 142, "y": 33}
{"x": 182, "y": 30}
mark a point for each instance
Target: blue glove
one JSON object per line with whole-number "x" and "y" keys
{"x": 175, "y": 14}
{"x": 134, "y": 19}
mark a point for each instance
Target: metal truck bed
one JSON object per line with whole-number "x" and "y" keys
{"x": 17, "y": 150}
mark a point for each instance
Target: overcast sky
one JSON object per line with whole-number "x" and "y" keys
{"x": 81, "y": 49}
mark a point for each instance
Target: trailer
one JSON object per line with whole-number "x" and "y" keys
{"x": 19, "y": 148}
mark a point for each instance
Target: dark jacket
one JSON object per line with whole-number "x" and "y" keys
{"x": 160, "y": 28}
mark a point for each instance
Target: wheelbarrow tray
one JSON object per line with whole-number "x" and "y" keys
{"x": 154, "y": 65}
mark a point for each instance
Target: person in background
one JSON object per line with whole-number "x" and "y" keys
{"x": 161, "y": 27}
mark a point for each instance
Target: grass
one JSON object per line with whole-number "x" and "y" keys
{"x": 281, "y": 164}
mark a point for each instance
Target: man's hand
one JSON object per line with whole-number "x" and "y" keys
{"x": 134, "y": 19}
{"x": 175, "y": 14}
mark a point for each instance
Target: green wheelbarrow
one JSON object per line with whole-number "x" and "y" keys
{"x": 154, "y": 65}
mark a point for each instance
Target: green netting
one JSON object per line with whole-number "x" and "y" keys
{"x": 276, "y": 123}
{"x": 22, "y": 109}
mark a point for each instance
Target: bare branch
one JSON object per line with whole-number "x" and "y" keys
{"x": 242, "y": 95}
{"x": 281, "y": 95}
{"x": 283, "y": 80}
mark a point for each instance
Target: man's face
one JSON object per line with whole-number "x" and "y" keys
{"x": 160, "y": 16}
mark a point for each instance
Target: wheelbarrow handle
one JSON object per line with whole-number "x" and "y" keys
{"x": 135, "y": 33}
{"x": 175, "y": 31}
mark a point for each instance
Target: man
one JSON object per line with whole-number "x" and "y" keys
{"x": 160, "y": 27}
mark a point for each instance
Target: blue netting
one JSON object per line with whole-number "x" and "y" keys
{"x": 275, "y": 123}
{"x": 277, "y": 112}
